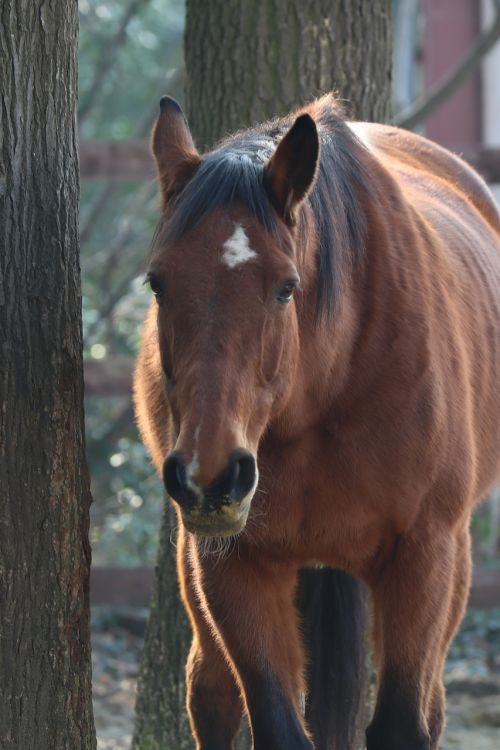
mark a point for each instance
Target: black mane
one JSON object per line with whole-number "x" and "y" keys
{"x": 233, "y": 172}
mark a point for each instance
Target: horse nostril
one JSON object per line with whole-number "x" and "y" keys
{"x": 233, "y": 473}
{"x": 241, "y": 475}
{"x": 174, "y": 476}
{"x": 180, "y": 473}
{"x": 232, "y": 485}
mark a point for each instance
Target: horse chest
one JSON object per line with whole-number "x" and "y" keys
{"x": 334, "y": 500}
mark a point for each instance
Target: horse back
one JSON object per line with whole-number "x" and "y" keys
{"x": 418, "y": 160}
{"x": 446, "y": 262}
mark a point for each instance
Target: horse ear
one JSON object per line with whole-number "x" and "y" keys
{"x": 290, "y": 173}
{"x": 173, "y": 149}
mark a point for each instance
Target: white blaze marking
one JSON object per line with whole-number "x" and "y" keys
{"x": 237, "y": 249}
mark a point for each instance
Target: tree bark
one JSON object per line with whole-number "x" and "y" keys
{"x": 45, "y": 675}
{"x": 161, "y": 718}
{"x": 247, "y": 61}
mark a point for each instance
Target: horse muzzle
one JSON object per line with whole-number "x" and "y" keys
{"x": 222, "y": 508}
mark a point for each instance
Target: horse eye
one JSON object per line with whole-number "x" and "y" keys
{"x": 156, "y": 287}
{"x": 286, "y": 290}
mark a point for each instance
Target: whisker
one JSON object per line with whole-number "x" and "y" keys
{"x": 217, "y": 547}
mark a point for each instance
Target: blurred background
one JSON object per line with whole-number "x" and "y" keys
{"x": 131, "y": 53}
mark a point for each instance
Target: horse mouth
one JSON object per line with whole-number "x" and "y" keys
{"x": 228, "y": 521}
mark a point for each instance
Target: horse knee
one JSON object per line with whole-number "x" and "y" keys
{"x": 213, "y": 701}
{"x": 436, "y": 727}
{"x": 436, "y": 717}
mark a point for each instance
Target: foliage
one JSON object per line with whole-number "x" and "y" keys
{"x": 117, "y": 222}
{"x": 150, "y": 51}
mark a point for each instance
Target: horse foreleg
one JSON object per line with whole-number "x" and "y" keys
{"x": 416, "y": 597}
{"x": 252, "y": 607}
{"x": 460, "y": 592}
{"x": 213, "y": 698}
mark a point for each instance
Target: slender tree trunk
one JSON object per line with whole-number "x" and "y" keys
{"x": 45, "y": 685}
{"x": 247, "y": 61}
{"x": 161, "y": 718}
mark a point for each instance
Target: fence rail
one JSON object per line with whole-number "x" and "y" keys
{"x": 132, "y": 160}
{"x": 120, "y": 586}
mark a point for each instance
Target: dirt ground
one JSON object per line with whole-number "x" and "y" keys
{"x": 472, "y": 679}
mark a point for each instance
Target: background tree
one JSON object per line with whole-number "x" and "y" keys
{"x": 246, "y": 62}
{"x": 44, "y": 551}
{"x": 249, "y": 61}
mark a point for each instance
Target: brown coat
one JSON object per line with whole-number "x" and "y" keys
{"x": 374, "y": 424}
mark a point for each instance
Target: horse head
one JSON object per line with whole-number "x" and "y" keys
{"x": 225, "y": 274}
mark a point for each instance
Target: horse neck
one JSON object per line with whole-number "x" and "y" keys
{"x": 326, "y": 344}
{"x": 340, "y": 354}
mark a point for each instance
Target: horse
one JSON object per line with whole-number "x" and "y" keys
{"x": 318, "y": 387}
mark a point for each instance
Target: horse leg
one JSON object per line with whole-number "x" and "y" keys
{"x": 412, "y": 596}
{"x": 460, "y": 593}
{"x": 213, "y": 698}
{"x": 251, "y": 604}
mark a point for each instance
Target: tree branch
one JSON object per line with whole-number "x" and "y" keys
{"x": 112, "y": 299}
{"x": 108, "y": 377}
{"x": 174, "y": 87}
{"x": 424, "y": 106}
{"x": 95, "y": 210}
{"x": 108, "y": 57}
{"x": 93, "y": 214}
{"x": 119, "y": 426}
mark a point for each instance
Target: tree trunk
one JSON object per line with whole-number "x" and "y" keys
{"x": 161, "y": 718}
{"x": 247, "y": 61}
{"x": 45, "y": 676}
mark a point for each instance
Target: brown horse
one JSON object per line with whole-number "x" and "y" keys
{"x": 318, "y": 387}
